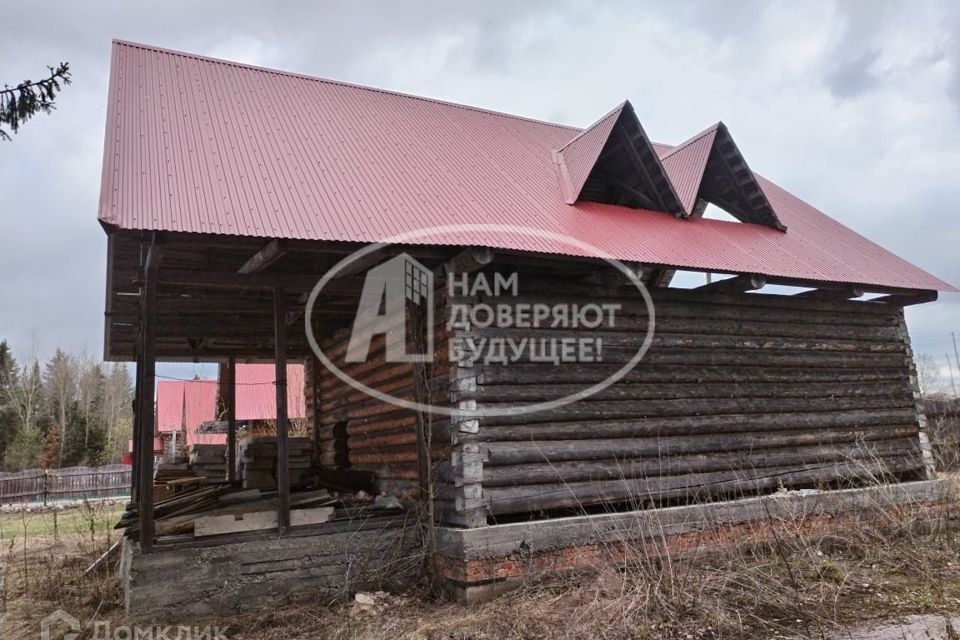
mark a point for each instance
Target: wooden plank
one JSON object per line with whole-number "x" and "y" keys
{"x": 234, "y": 523}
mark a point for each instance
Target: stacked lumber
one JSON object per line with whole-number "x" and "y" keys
{"x": 209, "y": 460}
{"x": 173, "y": 478}
{"x": 174, "y": 514}
{"x": 258, "y": 461}
{"x": 220, "y": 509}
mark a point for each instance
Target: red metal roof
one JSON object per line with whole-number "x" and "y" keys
{"x": 207, "y": 146}
{"x": 577, "y": 157}
{"x": 183, "y": 405}
{"x": 257, "y": 392}
{"x": 685, "y": 164}
{"x": 169, "y": 405}
{"x": 199, "y": 406}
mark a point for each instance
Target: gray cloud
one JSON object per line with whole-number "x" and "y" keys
{"x": 852, "y": 77}
{"x": 780, "y": 74}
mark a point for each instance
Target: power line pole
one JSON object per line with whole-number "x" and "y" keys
{"x": 956, "y": 356}
{"x": 953, "y": 384}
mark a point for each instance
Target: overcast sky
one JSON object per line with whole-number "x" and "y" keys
{"x": 853, "y": 106}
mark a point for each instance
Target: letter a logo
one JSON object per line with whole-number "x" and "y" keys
{"x": 394, "y": 292}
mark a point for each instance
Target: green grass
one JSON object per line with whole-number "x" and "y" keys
{"x": 68, "y": 521}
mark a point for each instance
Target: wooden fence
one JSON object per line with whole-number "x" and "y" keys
{"x": 70, "y": 483}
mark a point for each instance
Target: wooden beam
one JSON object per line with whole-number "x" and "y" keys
{"x": 231, "y": 402}
{"x": 737, "y": 284}
{"x": 283, "y": 458}
{"x": 641, "y": 197}
{"x": 839, "y": 293}
{"x": 262, "y": 259}
{"x": 638, "y": 165}
{"x": 907, "y": 299}
{"x": 469, "y": 260}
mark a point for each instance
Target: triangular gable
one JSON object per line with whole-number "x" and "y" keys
{"x": 613, "y": 162}
{"x": 709, "y": 168}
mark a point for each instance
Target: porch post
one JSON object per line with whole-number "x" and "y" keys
{"x": 231, "y": 402}
{"x": 137, "y": 453}
{"x": 146, "y": 404}
{"x": 280, "y": 357}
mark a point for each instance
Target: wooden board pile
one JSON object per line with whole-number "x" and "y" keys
{"x": 173, "y": 478}
{"x": 176, "y": 513}
{"x": 209, "y": 460}
{"x": 212, "y": 510}
{"x": 258, "y": 462}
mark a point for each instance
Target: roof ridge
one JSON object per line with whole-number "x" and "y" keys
{"x": 714, "y": 127}
{"x": 341, "y": 83}
{"x": 615, "y": 111}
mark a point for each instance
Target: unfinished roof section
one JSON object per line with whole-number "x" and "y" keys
{"x": 613, "y": 162}
{"x": 709, "y": 168}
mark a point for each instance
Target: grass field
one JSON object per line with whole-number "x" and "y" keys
{"x": 78, "y": 519}
{"x": 796, "y": 586}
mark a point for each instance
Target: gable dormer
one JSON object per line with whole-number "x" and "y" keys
{"x": 709, "y": 168}
{"x": 613, "y": 162}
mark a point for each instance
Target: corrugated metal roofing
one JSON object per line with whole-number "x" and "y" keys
{"x": 199, "y": 406}
{"x": 576, "y": 158}
{"x": 183, "y": 405}
{"x": 257, "y": 392}
{"x": 169, "y": 405}
{"x": 208, "y": 146}
{"x": 685, "y": 164}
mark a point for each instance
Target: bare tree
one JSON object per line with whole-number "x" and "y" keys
{"x": 60, "y": 382}
{"x": 929, "y": 375}
{"x": 116, "y": 409}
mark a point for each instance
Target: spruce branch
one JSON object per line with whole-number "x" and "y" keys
{"x": 20, "y": 103}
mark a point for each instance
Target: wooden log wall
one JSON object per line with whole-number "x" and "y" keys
{"x": 739, "y": 394}
{"x": 357, "y": 431}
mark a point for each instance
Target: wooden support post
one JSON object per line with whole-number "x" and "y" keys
{"x": 231, "y": 402}
{"x": 737, "y": 284}
{"x": 138, "y": 386}
{"x": 148, "y": 332}
{"x": 315, "y": 402}
{"x": 283, "y": 459}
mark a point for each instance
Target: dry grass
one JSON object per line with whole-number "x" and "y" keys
{"x": 792, "y": 583}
